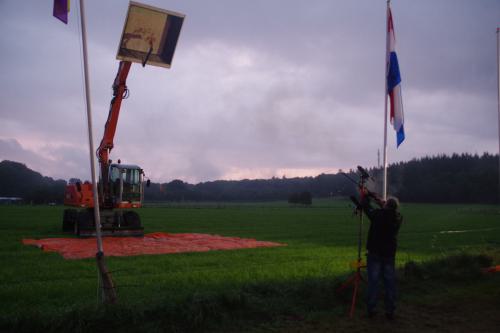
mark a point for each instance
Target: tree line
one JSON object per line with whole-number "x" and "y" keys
{"x": 463, "y": 178}
{"x": 459, "y": 178}
{"x": 17, "y": 180}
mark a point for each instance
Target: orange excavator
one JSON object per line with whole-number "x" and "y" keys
{"x": 120, "y": 185}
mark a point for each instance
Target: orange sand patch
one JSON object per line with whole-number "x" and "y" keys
{"x": 154, "y": 243}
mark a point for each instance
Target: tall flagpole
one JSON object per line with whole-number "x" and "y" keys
{"x": 498, "y": 97}
{"x": 384, "y": 183}
{"x": 97, "y": 216}
{"x": 109, "y": 294}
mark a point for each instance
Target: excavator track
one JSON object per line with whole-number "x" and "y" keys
{"x": 113, "y": 223}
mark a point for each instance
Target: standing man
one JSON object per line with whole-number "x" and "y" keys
{"x": 381, "y": 247}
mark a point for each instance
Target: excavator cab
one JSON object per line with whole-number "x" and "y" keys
{"x": 124, "y": 188}
{"x": 126, "y": 185}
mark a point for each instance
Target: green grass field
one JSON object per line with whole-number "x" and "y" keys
{"x": 218, "y": 289}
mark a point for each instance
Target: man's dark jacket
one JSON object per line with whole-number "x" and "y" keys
{"x": 384, "y": 227}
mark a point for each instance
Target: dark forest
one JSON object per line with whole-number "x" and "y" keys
{"x": 463, "y": 178}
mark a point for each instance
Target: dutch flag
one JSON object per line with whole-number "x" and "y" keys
{"x": 394, "y": 82}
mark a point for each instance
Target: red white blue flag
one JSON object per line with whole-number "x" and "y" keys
{"x": 394, "y": 82}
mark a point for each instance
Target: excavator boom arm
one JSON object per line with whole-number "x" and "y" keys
{"x": 119, "y": 93}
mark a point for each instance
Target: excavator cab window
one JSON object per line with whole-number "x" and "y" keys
{"x": 114, "y": 175}
{"x": 131, "y": 176}
{"x": 131, "y": 185}
{"x": 114, "y": 181}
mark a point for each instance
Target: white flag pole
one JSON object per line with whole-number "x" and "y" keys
{"x": 384, "y": 183}
{"x": 106, "y": 282}
{"x": 97, "y": 216}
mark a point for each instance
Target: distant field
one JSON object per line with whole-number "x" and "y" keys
{"x": 321, "y": 239}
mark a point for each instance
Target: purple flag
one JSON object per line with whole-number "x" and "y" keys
{"x": 61, "y": 9}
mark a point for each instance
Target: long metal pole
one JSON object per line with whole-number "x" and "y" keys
{"x": 384, "y": 183}
{"x": 97, "y": 216}
{"x": 498, "y": 100}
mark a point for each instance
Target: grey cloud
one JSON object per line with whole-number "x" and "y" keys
{"x": 57, "y": 162}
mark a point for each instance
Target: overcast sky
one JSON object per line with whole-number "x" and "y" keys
{"x": 257, "y": 88}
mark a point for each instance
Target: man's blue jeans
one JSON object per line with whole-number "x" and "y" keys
{"x": 378, "y": 267}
